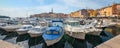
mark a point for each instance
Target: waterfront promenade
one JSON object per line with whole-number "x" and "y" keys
{"x": 112, "y": 43}
{"x": 4, "y": 44}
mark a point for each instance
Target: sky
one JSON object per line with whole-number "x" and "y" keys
{"x": 25, "y": 8}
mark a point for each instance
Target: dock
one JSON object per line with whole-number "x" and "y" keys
{"x": 4, "y": 44}
{"x": 112, "y": 43}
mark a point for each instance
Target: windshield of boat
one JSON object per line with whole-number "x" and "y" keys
{"x": 36, "y": 29}
{"x": 52, "y": 32}
{"x": 27, "y": 27}
{"x": 74, "y": 23}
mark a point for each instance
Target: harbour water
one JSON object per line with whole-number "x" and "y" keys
{"x": 66, "y": 42}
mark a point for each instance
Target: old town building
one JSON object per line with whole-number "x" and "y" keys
{"x": 80, "y": 13}
{"x": 110, "y": 11}
{"x": 50, "y": 15}
{"x": 92, "y": 13}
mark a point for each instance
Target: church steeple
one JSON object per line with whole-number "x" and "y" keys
{"x": 52, "y": 10}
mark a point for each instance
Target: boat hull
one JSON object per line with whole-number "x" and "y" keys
{"x": 51, "y": 42}
{"x": 21, "y": 32}
{"x": 10, "y": 30}
{"x": 77, "y": 35}
{"x": 97, "y": 33}
{"x": 35, "y": 35}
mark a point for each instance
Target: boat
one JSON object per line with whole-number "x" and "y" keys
{"x": 94, "y": 31}
{"x": 11, "y": 28}
{"x": 74, "y": 29}
{"x": 24, "y": 29}
{"x": 54, "y": 33}
{"x": 104, "y": 23}
{"x": 36, "y": 31}
{"x": 3, "y": 24}
{"x": 43, "y": 23}
{"x": 57, "y": 22}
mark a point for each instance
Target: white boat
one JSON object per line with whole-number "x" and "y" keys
{"x": 104, "y": 23}
{"x": 3, "y": 24}
{"x": 24, "y": 29}
{"x": 43, "y": 23}
{"x": 93, "y": 31}
{"x": 36, "y": 31}
{"x": 74, "y": 29}
{"x": 11, "y": 28}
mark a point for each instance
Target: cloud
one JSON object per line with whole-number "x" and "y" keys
{"x": 13, "y": 12}
{"x": 27, "y": 11}
{"x": 56, "y": 7}
{"x": 40, "y": 6}
{"x": 80, "y": 3}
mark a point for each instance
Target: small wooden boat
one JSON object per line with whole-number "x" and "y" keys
{"x": 53, "y": 35}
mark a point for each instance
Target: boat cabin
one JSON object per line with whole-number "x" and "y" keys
{"x": 54, "y": 30}
{"x": 57, "y": 22}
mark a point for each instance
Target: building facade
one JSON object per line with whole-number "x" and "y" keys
{"x": 92, "y": 13}
{"x": 80, "y": 13}
{"x": 110, "y": 11}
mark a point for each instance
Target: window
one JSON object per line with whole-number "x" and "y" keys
{"x": 48, "y": 32}
{"x": 43, "y": 29}
{"x": 55, "y": 32}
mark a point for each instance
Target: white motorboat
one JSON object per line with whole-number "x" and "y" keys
{"x": 75, "y": 29}
{"x": 104, "y": 23}
{"x": 93, "y": 31}
{"x": 24, "y": 29}
{"x": 3, "y": 24}
{"x": 43, "y": 23}
{"x": 36, "y": 31}
{"x": 11, "y": 28}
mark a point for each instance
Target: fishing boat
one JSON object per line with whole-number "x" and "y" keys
{"x": 36, "y": 31}
{"x": 24, "y": 29}
{"x": 54, "y": 33}
{"x": 74, "y": 29}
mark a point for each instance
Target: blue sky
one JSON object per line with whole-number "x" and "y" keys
{"x": 24, "y": 8}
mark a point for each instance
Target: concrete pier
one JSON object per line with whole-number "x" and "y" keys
{"x": 112, "y": 43}
{"x": 4, "y": 44}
